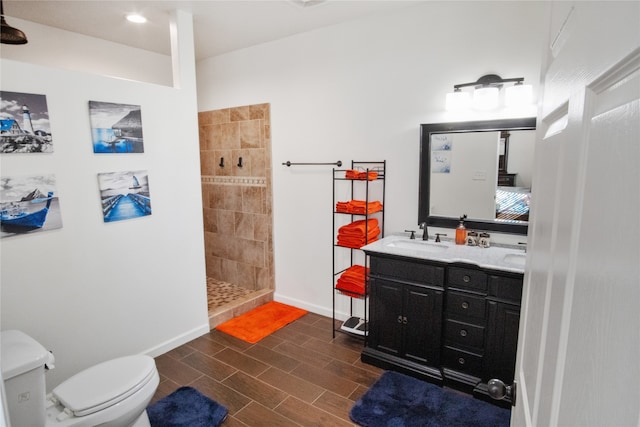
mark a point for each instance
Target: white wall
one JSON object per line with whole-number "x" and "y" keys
{"x": 53, "y": 47}
{"x": 91, "y": 290}
{"x": 359, "y": 91}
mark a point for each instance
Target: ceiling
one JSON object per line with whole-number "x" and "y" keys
{"x": 220, "y": 26}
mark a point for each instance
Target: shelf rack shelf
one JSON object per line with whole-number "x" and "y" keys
{"x": 358, "y": 219}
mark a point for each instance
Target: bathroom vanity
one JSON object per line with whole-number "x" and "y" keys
{"x": 445, "y": 313}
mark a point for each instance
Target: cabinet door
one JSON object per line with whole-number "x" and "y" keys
{"x": 502, "y": 342}
{"x": 422, "y": 321}
{"x": 385, "y": 322}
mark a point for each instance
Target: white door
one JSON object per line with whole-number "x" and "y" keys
{"x": 578, "y": 361}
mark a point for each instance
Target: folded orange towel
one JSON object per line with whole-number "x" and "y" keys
{"x": 358, "y": 228}
{"x": 358, "y": 233}
{"x": 359, "y": 207}
{"x": 353, "y": 281}
{"x": 358, "y": 242}
{"x": 355, "y": 174}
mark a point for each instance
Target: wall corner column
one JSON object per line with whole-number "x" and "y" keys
{"x": 182, "y": 50}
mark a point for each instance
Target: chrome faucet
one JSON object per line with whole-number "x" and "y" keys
{"x": 425, "y": 234}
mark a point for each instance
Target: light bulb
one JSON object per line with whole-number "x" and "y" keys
{"x": 485, "y": 98}
{"x": 458, "y": 100}
{"x": 518, "y": 95}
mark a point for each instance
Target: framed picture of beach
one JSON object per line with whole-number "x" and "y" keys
{"x": 24, "y": 123}
{"x": 28, "y": 204}
{"x": 124, "y": 195}
{"x": 116, "y": 128}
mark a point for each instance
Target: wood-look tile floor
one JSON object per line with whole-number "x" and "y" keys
{"x": 297, "y": 376}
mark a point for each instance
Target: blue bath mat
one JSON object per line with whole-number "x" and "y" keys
{"x": 186, "y": 407}
{"x": 397, "y": 400}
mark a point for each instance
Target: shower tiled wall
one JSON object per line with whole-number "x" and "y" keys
{"x": 237, "y": 200}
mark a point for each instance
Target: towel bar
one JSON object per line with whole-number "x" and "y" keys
{"x": 288, "y": 163}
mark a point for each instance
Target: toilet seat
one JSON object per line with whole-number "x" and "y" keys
{"x": 105, "y": 384}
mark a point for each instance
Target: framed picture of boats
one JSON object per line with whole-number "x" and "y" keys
{"x": 116, "y": 128}
{"x": 24, "y": 123}
{"x": 124, "y": 195}
{"x": 28, "y": 204}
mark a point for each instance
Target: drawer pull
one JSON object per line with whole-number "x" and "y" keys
{"x": 463, "y": 332}
{"x": 404, "y": 320}
{"x": 399, "y": 318}
{"x": 465, "y": 305}
{"x": 466, "y": 278}
{"x": 461, "y": 360}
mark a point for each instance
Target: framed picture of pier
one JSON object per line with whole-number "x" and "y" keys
{"x": 116, "y": 128}
{"x": 24, "y": 123}
{"x": 124, "y": 195}
{"x": 28, "y": 205}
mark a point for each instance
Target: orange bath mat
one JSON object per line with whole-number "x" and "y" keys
{"x": 262, "y": 321}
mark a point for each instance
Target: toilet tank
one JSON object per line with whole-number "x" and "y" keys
{"x": 23, "y": 365}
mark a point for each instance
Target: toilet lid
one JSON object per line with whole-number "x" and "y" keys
{"x": 105, "y": 384}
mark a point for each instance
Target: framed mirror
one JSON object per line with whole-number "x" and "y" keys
{"x": 480, "y": 168}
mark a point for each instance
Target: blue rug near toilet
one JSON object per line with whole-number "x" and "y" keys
{"x": 186, "y": 407}
{"x": 397, "y": 400}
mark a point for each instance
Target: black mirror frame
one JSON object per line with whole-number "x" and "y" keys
{"x": 426, "y": 130}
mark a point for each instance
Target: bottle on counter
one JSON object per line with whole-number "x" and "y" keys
{"x": 484, "y": 240}
{"x": 461, "y": 231}
{"x": 472, "y": 238}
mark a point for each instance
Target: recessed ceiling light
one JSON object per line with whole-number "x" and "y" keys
{"x": 307, "y": 3}
{"x": 138, "y": 19}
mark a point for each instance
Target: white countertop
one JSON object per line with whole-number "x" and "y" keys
{"x": 494, "y": 257}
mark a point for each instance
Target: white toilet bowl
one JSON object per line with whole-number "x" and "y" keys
{"x": 114, "y": 393}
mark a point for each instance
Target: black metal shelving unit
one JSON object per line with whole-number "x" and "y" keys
{"x": 345, "y": 257}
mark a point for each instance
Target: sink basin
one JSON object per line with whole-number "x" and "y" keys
{"x": 417, "y": 245}
{"x": 515, "y": 259}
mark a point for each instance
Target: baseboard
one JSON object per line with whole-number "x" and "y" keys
{"x": 177, "y": 341}
{"x": 317, "y": 309}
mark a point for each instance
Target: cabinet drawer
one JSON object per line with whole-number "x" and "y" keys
{"x": 465, "y": 334}
{"x": 463, "y": 304}
{"x": 467, "y": 278}
{"x": 463, "y": 361}
{"x": 508, "y": 288}
{"x": 407, "y": 270}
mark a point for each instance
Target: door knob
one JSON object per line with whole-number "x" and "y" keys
{"x": 498, "y": 390}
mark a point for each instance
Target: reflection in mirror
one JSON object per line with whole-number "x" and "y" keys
{"x": 482, "y": 169}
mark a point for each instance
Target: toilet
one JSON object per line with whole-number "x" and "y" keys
{"x": 114, "y": 393}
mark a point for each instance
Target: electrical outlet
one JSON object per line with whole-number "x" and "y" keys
{"x": 23, "y": 397}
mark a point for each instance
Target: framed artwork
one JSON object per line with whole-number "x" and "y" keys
{"x": 116, "y": 128}
{"x": 24, "y": 123}
{"x": 124, "y": 195}
{"x": 28, "y": 204}
{"x": 441, "y": 149}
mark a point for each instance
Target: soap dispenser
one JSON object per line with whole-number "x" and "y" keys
{"x": 461, "y": 231}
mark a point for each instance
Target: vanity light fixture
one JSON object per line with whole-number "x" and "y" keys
{"x": 486, "y": 94}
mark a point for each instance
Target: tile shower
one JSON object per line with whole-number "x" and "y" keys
{"x": 235, "y": 164}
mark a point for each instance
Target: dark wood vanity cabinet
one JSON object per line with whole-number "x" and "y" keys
{"x": 465, "y": 327}
{"x": 451, "y": 324}
{"x": 405, "y": 316}
{"x": 503, "y": 321}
